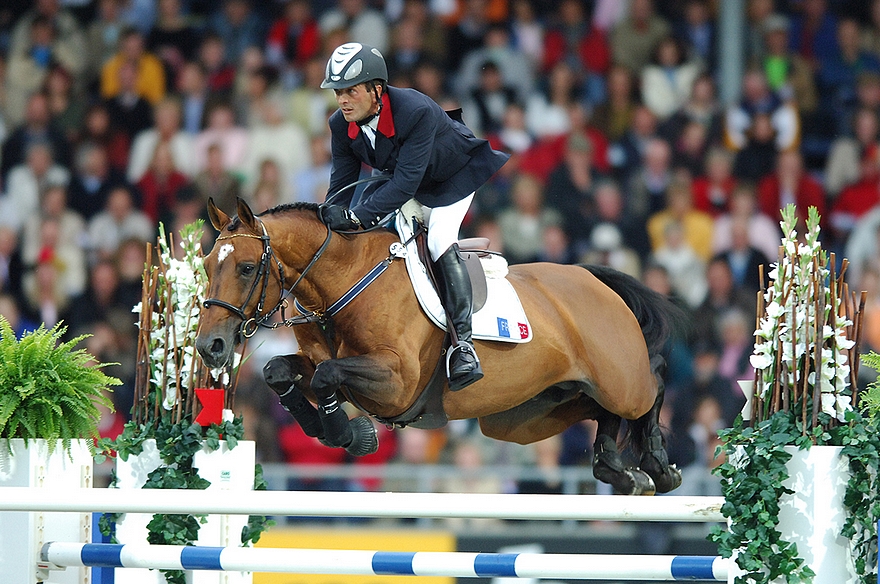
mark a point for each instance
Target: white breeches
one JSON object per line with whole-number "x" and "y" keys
{"x": 444, "y": 224}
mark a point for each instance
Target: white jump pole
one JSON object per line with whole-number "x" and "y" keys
{"x": 351, "y": 504}
{"x": 354, "y": 562}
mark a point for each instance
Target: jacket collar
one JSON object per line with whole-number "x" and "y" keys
{"x": 386, "y": 120}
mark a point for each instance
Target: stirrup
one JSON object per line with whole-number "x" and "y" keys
{"x": 465, "y": 378}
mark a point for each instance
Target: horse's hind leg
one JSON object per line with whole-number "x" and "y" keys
{"x": 652, "y": 444}
{"x": 288, "y": 376}
{"x": 608, "y": 465}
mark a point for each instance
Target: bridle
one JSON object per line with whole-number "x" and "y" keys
{"x": 250, "y": 325}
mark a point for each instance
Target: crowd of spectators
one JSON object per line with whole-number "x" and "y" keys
{"x": 116, "y": 115}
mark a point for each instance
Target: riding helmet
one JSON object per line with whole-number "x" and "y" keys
{"x": 352, "y": 64}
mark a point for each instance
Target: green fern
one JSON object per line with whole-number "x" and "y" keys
{"x": 869, "y": 400}
{"x": 48, "y": 388}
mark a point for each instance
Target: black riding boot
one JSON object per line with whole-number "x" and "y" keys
{"x": 462, "y": 364}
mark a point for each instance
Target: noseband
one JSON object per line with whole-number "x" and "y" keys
{"x": 250, "y": 325}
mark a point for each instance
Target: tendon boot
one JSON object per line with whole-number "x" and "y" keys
{"x": 462, "y": 364}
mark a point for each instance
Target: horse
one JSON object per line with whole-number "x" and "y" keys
{"x": 596, "y": 351}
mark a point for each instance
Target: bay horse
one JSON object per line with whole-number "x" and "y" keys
{"x": 595, "y": 351}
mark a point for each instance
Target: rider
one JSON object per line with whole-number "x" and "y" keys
{"x": 428, "y": 155}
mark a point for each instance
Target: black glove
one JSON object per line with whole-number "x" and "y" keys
{"x": 338, "y": 218}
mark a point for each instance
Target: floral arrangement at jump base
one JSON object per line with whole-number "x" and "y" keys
{"x": 806, "y": 359}
{"x": 178, "y": 402}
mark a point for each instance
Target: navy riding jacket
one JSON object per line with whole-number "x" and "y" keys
{"x": 428, "y": 155}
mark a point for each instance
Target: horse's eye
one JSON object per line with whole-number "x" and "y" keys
{"x": 247, "y": 269}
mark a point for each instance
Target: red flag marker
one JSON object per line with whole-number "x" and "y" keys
{"x": 212, "y": 406}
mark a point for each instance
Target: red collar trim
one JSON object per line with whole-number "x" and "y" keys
{"x": 386, "y": 121}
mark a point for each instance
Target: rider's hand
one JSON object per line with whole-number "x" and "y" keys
{"x": 338, "y": 218}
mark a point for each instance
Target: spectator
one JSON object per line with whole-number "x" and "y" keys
{"x": 71, "y": 228}
{"x": 870, "y": 38}
{"x": 93, "y": 180}
{"x": 172, "y": 39}
{"x": 407, "y": 46}
{"x": 221, "y": 129}
{"x": 511, "y": 64}
{"x": 634, "y": 39}
{"x": 102, "y": 36}
{"x": 524, "y": 223}
{"x": 150, "y": 78}
{"x": 11, "y": 263}
{"x": 166, "y": 129}
{"x": 127, "y": 110}
{"x": 29, "y": 68}
{"x": 219, "y": 73}
{"x": 489, "y": 101}
{"x": 37, "y": 127}
{"x": 547, "y": 111}
{"x": 697, "y": 31}
{"x": 526, "y": 31}
{"x": 309, "y": 105}
{"x": 745, "y": 260}
{"x": 814, "y": 32}
{"x": 614, "y": 115}
{"x": 28, "y": 180}
{"x": 790, "y": 183}
{"x": 646, "y": 194}
{"x": 583, "y": 46}
{"x": 363, "y": 23}
{"x": 842, "y": 166}
{"x": 260, "y": 92}
{"x": 690, "y": 149}
{"x": 627, "y": 153}
{"x": 702, "y": 107}
{"x": 856, "y": 200}
{"x": 712, "y": 191}
{"x": 10, "y": 310}
{"x": 757, "y": 158}
{"x": 838, "y": 73}
{"x": 66, "y": 106}
{"x": 466, "y": 35}
{"x": 764, "y": 232}
{"x": 130, "y": 260}
{"x": 310, "y": 183}
{"x": 696, "y": 226}
{"x": 100, "y": 129}
{"x": 120, "y": 220}
{"x": 787, "y": 73}
{"x": 217, "y": 182}
{"x": 757, "y": 13}
{"x": 192, "y": 85}
{"x": 607, "y": 248}
{"x": 687, "y": 272}
{"x": 737, "y": 342}
{"x": 99, "y": 301}
{"x": 68, "y": 39}
{"x": 761, "y": 117}
{"x": 160, "y": 185}
{"x": 280, "y": 140}
{"x": 668, "y": 79}
{"x": 45, "y": 300}
{"x": 68, "y": 262}
{"x": 570, "y": 189}
{"x": 722, "y": 296}
{"x": 294, "y": 38}
{"x": 239, "y": 26}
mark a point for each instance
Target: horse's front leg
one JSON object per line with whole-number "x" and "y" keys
{"x": 290, "y": 376}
{"x": 363, "y": 374}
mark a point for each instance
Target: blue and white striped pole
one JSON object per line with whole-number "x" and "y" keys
{"x": 354, "y": 562}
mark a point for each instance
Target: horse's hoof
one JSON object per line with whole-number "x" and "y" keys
{"x": 365, "y": 440}
{"x": 669, "y": 480}
{"x": 642, "y": 483}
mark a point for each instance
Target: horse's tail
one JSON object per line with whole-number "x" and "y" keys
{"x": 656, "y": 314}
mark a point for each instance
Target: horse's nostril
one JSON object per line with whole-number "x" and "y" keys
{"x": 217, "y": 346}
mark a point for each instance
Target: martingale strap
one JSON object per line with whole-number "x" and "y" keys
{"x": 307, "y": 316}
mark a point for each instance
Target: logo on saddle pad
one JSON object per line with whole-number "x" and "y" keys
{"x": 504, "y": 329}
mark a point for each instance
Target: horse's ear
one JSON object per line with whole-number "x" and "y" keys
{"x": 245, "y": 215}
{"x": 218, "y": 218}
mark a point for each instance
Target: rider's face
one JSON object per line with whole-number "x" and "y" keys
{"x": 356, "y": 102}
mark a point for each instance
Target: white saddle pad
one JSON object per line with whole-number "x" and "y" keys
{"x": 502, "y": 318}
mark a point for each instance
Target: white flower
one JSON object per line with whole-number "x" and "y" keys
{"x": 761, "y": 361}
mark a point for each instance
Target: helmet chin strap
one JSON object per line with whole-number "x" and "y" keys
{"x": 371, "y": 117}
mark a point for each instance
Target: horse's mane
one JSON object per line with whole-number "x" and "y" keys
{"x": 283, "y": 208}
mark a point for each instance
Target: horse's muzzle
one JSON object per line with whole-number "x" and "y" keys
{"x": 216, "y": 351}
